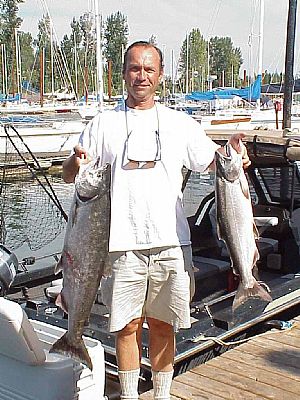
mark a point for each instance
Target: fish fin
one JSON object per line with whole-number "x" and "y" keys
{"x": 58, "y": 266}
{"x": 78, "y": 352}
{"x": 243, "y": 294}
{"x": 60, "y": 302}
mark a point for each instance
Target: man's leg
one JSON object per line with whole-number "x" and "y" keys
{"x": 128, "y": 348}
{"x": 162, "y": 351}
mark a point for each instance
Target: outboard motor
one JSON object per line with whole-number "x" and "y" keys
{"x": 8, "y": 269}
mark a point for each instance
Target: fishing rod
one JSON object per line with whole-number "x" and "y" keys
{"x": 51, "y": 195}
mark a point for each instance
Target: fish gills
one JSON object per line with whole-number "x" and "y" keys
{"x": 84, "y": 256}
{"x": 235, "y": 224}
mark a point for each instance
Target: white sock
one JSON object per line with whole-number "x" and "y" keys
{"x": 162, "y": 384}
{"x": 129, "y": 384}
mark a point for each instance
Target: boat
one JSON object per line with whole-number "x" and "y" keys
{"x": 49, "y": 140}
{"x": 274, "y": 180}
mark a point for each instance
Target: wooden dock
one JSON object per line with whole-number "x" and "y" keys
{"x": 265, "y": 367}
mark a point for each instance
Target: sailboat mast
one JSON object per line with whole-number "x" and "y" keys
{"x": 289, "y": 65}
{"x": 260, "y": 44}
{"x": 52, "y": 58}
{"x": 187, "y": 65}
{"x": 99, "y": 55}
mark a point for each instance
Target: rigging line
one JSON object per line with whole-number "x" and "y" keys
{"x": 57, "y": 202}
{"x": 58, "y": 48}
{"x": 51, "y": 195}
{"x": 214, "y": 18}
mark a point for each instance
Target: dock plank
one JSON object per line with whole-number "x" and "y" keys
{"x": 213, "y": 387}
{"x": 252, "y": 359}
{"x": 287, "y": 358}
{"x": 248, "y": 386}
{"x": 186, "y": 390}
{"x": 285, "y": 341}
{"x": 257, "y": 374}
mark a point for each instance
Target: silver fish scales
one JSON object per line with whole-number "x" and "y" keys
{"x": 84, "y": 255}
{"x": 235, "y": 224}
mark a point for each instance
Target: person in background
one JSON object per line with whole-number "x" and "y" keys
{"x": 151, "y": 276}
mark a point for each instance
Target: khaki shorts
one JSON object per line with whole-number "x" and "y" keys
{"x": 153, "y": 283}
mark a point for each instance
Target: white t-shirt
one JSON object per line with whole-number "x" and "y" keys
{"x": 146, "y": 203}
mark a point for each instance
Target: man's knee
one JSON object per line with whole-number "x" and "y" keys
{"x": 163, "y": 328}
{"x": 131, "y": 328}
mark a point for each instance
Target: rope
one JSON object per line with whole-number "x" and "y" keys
{"x": 284, "y": 326}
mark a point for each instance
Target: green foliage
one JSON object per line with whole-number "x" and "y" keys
{"x": 153, "y": 40}
{"x": 193, "y": 56}
{"x": 79, "y": 50}
{"x": 9, "y": 22}
{"x": 225, "y": 60}
{"x": 27, "y": 55}
{"x": 116, "y": 38}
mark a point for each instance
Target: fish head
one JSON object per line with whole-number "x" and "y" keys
{"x": 93, "y": 179}
{"x": 228, "y": 165}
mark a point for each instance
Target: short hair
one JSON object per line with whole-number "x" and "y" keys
{"x": 142, "y": 43}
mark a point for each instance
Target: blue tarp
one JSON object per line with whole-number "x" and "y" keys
{"x": 5, "y": 98}
{"x": 250, "y": 93}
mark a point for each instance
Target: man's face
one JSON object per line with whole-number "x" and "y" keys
{"x": 142, "y": 75}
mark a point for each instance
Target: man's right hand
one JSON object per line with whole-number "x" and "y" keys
{"x": 71, "y": 164}
{"x": 80, "y": 152}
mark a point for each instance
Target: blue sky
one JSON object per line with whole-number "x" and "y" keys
{"x": 170, "y": 20}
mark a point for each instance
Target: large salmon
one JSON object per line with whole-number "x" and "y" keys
{"x": 84, "y": 255}
{"x": 235, "y": 223}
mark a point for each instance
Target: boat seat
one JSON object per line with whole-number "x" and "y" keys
{"x": 211, "y": 275}
{"x": 265, "y": 245}
{"x": 29, "y": 372}
{"x": 207, "y": 267}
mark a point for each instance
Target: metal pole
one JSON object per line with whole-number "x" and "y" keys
{"x": 187, "y": 66}
{"x": 261, "y": 36}
{"x": 289, "y": 65}
{"x": 99, "y": 54}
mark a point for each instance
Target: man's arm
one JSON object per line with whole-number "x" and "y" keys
{"x": 71, "y": 164}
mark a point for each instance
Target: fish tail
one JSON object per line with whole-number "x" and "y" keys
{"x": 257, "y": 291}
{"x": 78, "y": 352}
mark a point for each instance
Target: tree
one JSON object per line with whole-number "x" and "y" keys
{"x": 79, "y": 52}
{"x": 9, "y": 22}
{"x": 193, "y": 57}
{"x": 27, "y": 56}
{"x": 225, "y": 60}
{"x": 153, "y": 40}
{"x": 116, "y": 39}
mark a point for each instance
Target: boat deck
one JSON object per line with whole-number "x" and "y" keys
{"x": 265, "y": 367}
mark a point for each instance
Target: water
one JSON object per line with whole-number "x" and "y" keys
{"x": 27, "y": 227}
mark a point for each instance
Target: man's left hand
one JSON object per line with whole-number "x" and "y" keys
{"x": 236, "y": 142}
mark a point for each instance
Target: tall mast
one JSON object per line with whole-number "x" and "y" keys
{"x": 187, "y": 65}
{"x": 52, "y": 57}
{"x": 289, "y": 65}
{"x": 99, "y": 84}
{"x": 260, "y": 44}
{"x": 18, "y": 65}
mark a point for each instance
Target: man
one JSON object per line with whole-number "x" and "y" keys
{"x": 146, "y": 144}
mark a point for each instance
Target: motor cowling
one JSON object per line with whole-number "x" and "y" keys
{"x": 8, "y": 269}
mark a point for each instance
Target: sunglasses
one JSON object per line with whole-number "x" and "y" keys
{"x": 143, "y": 149}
